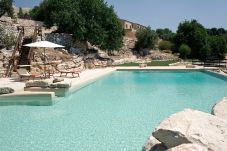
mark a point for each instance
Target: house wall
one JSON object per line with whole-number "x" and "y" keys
{"x": 130, "y": 26}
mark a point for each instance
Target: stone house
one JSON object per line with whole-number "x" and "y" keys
{"x": 130, "y": 26}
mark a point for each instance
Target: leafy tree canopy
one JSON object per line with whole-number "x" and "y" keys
{"x": 6, "y": 7}
{"x": 165, "y": 34}
{"x": 146, "y": 38}
{"x": 87, "y": 20}
{"x": 20, "y": 14}
{"x": 216, "y": 31}
{"x": 218, "y": 46}
{"x": 195, "y": 36}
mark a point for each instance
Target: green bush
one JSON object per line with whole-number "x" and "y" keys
{"x": 146, "y": 38}
{"x": 185, "y": 51}
{"x": 165, "y": 34}
{"x": 195, "y": 36}
{"x": 165, "y": 45}
{"x": 7, "y": 40}
{"x": 218, "y": 46}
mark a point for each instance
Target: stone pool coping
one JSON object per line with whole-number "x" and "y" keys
{"x": 86, "y": 78}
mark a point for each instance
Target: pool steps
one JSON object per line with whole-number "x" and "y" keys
{"x": 28, "y": 98}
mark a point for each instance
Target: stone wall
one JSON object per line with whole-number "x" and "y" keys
{"x": 60, "y": 38}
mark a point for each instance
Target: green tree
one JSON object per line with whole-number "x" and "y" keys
{"x": 218, "y": 46}
{"x": 6, "y": 7}
{"x": 185, "y": 51}
{"x": 216, "y": 32}
{"x": 87, "y": 20}
{"x": 195, "y": 36}
{"x": 165, "y": 45}
{"x": 146, "y": 38}
{"x": 165, "y": 34}
{"x": 20, "y": 14}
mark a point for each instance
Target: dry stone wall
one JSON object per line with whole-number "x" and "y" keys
{"x": 60, "y": 38}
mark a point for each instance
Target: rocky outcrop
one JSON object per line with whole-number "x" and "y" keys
{"x": 153, "y": 144}
{"x": 191, "y": 126}
{"x": 220, "y": 109}
{"x": 188, "y": 147}
{"x": 6, "y": 90}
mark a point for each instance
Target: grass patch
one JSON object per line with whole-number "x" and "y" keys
{"x": 152, "y": 63}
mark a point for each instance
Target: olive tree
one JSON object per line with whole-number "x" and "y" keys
{"x": 88, "y": 20}
{"x": 146, "y": 38}
{"x": 6, "y": 7}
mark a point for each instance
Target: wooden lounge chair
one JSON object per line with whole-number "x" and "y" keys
{"x": 67, "y": 71}
{"x": 97, "y": 64}
{"x": 23, "y": 73}
{"x": 223, "y": 69}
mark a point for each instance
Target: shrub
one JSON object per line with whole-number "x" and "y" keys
{"x": 165, "y": 45}
{"x": 185, "y": 51}
{"x": 146, "y": 38}
{"x": 165, "y": 34}
{"x": 7, "y": 40}
{"x": 218, "y": 46}
{"x": 195, "y": 36}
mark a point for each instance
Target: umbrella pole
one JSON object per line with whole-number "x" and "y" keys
{"x": 45, "y": 62}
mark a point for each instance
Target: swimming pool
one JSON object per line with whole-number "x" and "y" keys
{"x": 116, "y": 113}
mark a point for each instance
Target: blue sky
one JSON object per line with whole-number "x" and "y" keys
{"x": 164, "y": 13}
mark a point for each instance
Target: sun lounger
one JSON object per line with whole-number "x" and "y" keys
{"x": 23, "y": 73}
{"x": 65, "y": 72}
{"x": 223, "y": 70}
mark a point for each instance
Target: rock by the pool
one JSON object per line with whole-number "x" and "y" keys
{"x": 63, "y": 85}
{"x": 188, "y": 147}
{"x": 220, "y": 109}
{"x": 60, "y": 85}
{"x": 38, "y": 83}
{"x": 58, "y": 80}
{"x": 191, "y": 126}
{"x": 6, "y": 90}
{"x": 153, "y": 144}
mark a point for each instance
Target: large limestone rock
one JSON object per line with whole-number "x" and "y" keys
{"x": 62, "y": 84}
{"x": 153, "y": 144}
{"x": 191, "y": 126}
{"x": 188, "y": 147}
{"x": 38, "y": 83}
{"x": 220, "y": 109}
{"x": 6, "y": 90}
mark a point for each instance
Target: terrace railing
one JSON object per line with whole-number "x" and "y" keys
{"x": 211, "y": 63}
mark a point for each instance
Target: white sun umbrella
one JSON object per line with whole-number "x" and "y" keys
{"x": 44, "y": 44}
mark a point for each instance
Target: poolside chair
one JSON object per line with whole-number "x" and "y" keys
{"x": 23, "y": 73}
{"x": 223, "y": 69}
{"x": 67, "y": 71}
{"x": 97, "y": 64}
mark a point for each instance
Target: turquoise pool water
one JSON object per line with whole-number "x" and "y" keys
{"x": 115, "y": 113}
